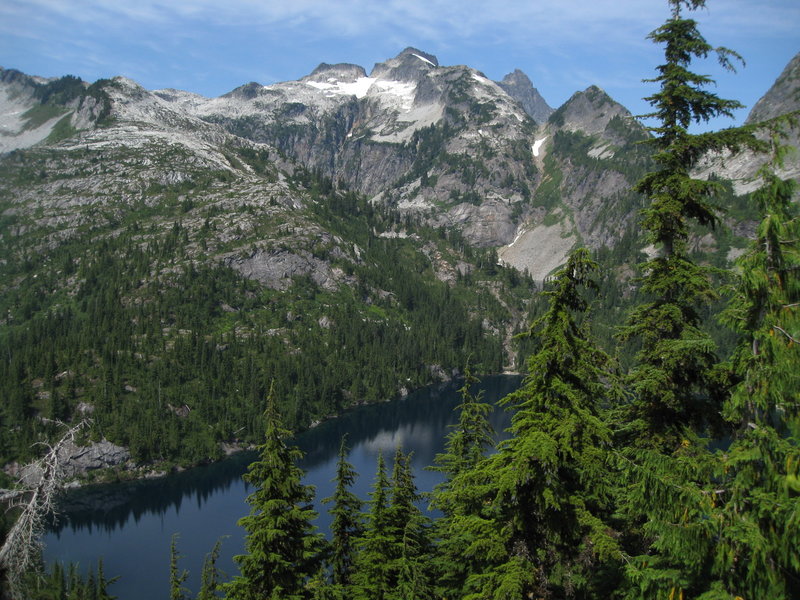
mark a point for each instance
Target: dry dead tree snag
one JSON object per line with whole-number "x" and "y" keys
{"x": 39, "y": 484}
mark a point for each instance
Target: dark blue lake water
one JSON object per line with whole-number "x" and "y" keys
{"x": 130, "y": 525}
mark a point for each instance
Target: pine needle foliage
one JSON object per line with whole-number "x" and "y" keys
{"x": 283, "y": 547}
{"x": 393, "y": 561}
{"x": 458, "y": 497}
{"x": 757, "y": 552}
{"x": 672, "y": 481}
{"x": 372, "y": 569}
{"x": 409, "y": 534}
{"x": 177, "y": 577}
{"x": 210, "y": 575}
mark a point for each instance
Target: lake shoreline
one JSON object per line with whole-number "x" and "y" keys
{"x": 129, "y": 471}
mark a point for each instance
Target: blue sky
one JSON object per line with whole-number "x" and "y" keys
{"x": 213, "y": 46}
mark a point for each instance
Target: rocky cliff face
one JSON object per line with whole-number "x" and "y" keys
{"x": 782, "y": 98}
{"x": 519, "y": 87}
{"x": 442, "y": 145}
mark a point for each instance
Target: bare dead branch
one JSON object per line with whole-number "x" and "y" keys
{"x": 40, "y": 482}
{"x": 786, "y": 333}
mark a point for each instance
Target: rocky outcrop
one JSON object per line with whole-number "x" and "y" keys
{"x": 98, "y": 455}
{"x": 277, "y": 268}
{"x": 338, "y": 72}
{"x": 741, "y": 168}
{"x": 77, "y": 461}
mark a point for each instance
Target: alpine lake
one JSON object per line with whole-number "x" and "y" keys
{"x": 130, "y": 525}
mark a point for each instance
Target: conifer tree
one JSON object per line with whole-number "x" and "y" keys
{"x": 210, "y": 575}
{"x": 671, "y": 382}
{"x": 555, "y": 468}
{"x": 408, "y": 529}
{"x": 544, "y": 530}
{"x": 177, "y": 577}
{"x": 346, "y": 526}
{"x": 757, "y": 503}
{"x": 467, "y": 444}
{"x": 283, "y": 547}
{"x": 458, "y": 497}
{"x": 371, "y": 579}
{"x": 668, "y": 470}
{"x": 393, "y": 559}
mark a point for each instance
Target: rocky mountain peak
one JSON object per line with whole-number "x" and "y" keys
{"x": 12, "y": 76}
{"x": 517, "y": 78}
{"x": 519, "y": 87}
{"x": 783, "y": 97}
{"x": 248, "y": 91}
{"x": 411, "y": 52}
{"x": 589, "y": 111}
{"x": 339, "y": 71}
{"x": 409, "y": 65}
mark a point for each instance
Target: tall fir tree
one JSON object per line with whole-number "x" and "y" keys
{"x": 393, "y": 560}
{"x": 672, "y": 380}
{"x": 408, "y": 531}
{"x": 371, "y": 579}
{"x": 283, "y": 546}
{"x": 544, "y": 516}
{"x": 346, "y": 526}
{"x": 675, "y": 385}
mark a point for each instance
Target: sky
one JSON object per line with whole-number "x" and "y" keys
{"x": 213, "y": 46}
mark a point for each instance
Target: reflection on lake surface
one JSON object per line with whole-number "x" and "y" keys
{"x": 129, "y": 525}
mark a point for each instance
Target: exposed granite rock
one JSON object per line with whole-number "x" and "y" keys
{"x": 741, "y": 169}
{"x": 77, "y": 461}
{"x": 339, "y": 71}
{"x": 488, "y": 224}
{"x": 406, "y": 66}
{"x": 277, "y": 268}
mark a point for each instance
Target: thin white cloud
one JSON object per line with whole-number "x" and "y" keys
{"x": 571, "y": 44}
{"x": 536, "y": 23}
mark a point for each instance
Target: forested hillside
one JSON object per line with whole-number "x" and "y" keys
{"x": 170, "y": 354}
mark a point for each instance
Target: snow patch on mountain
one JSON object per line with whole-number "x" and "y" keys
{"x": 369, "y": 86}
{"x": 357, "y": 88}
{"x": 422, "y": 58}
{"x": 537, "y": 145}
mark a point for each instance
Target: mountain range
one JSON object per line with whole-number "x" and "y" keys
{"x": 343, "y": 196}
